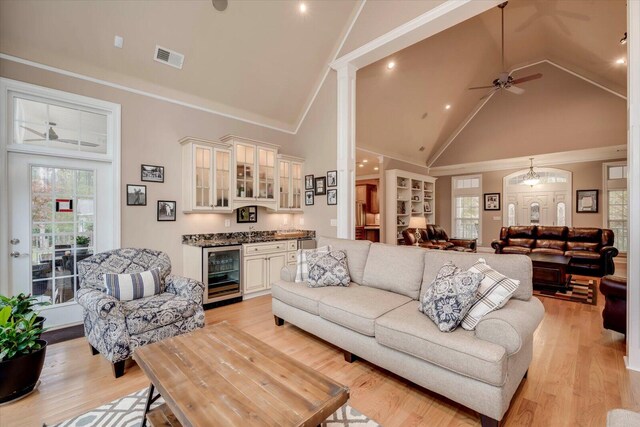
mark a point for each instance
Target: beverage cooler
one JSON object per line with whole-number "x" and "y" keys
{"x": 221, "y": 273}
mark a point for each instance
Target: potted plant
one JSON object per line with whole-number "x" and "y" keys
{"x": 82, "y": 242}
{"x": 21, "y": 305}
{"x": 22, "y": 354}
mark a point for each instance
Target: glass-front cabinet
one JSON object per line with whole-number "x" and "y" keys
{"x": 290, "y": 179}
{"x": 206, "y": 176}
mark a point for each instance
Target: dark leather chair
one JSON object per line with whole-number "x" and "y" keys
{"x": 614, "y": 315}
{"x": 435, "y": 237}
{"x": 591, "y": 249}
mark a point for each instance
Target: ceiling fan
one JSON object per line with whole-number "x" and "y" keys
{"x": 504, "y": 80}
{"x": 51, "y": 135}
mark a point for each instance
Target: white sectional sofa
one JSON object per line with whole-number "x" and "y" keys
{"x": 376, "y": 318}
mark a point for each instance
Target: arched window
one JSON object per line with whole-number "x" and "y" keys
{"x": 511, "y": 214}
{"x": 534, "y": 213}
{"x": 561, "y": 213}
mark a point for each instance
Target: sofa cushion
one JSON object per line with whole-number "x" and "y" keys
{"x": 548, "y": 251}
{"x": 551, "y": 233}
{"x": 302, "y": 266}
{"x": 356, "y": 250}
{"x": 584, "y": 234}
{"x": 328, "y": 269}
{"x": 520, "y": 231}
{"x": 145, "y": 314}
{"x": 299, "y": 295}
{"x": 357, "y": 308}
{"x": 551, "y": 244}
{"x": 519, "y": 250}
{"x": 583, "y": 246}
{"x": 131, "y": 286}
{"x": 586, "y": 255}
{"x": 513, "y": 266}
{"x": 407, "y": 330}
{"x": 395, "y": 268}
{"x": 525, "y": 243}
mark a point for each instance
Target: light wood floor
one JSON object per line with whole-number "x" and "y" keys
{"x": 577, "y": 375}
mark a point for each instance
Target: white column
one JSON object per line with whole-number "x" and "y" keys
{"x": 633, "y": 156}
{"x": 346, "y": 151}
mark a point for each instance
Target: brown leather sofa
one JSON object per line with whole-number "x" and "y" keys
{"x": 614, "y": 315}
{"x": 435, "y": 237}
{"x": 591, "y": 249}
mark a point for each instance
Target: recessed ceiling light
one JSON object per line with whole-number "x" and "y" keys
{"x": 447, "y": 107}
{"x": 360, "y": 165}
{"x": 365, "y": 161}
{"x": 376, "y": 168}
{"x": 391, "y": 65}
{"x": 621, "y": 61}
{"x": 302, "y": 7}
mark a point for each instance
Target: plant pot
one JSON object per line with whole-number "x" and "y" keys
{"x": 19, "y": 376}
{"x": 39, "y": 322}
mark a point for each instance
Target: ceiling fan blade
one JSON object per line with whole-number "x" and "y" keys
{"x": 527, "y": 78}
{"x": 573, "y": 15}
{"x": 41, "y": 135}
{"x": 481, "y": 87}
{"x": 83, "y": 143}
{"x": 561, "y": 25}
{"x": 491, "y": 92}
{"x": 528, "y": 22}
{"x": 515, "y": 89}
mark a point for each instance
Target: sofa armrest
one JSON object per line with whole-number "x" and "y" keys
{"x": 288, "y": 273}
{"x": 190, "y": 289}
{"x": 512, "y": 325}
{"x": 498, "y": 245}
{"x": 614, "y": 286}
{"x": 99, "y": 303}
{"x": 608, "y": 253}
{"x": 465, "y": 243}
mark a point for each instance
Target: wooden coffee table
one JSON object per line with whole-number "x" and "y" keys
{"x": 221, "y": 376}
{"x": 550, "y": 271}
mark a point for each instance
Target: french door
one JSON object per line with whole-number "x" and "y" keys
{"x": 61, "y": 211}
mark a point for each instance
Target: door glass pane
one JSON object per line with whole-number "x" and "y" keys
{"x": 511, "y": 214}
{"x": 62, "y": 225}
{"x": 561, "y": 214}
{"x": 617, "y": 218}
{"x": 284, "y": 184}
{"x": 534, "y": 213}
{"x": 222, "y": 178}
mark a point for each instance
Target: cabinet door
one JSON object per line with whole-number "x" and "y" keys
{"x": 222, "y": 183}
{"x": 203, "y": 158}
{"x": 275, "y": 262}
{"x": 254, "y": 274}
{"x": 374, "y": 202}
{"x": 245, "y": 173}
{"x": 284, "y": 201}
{"x": 361, "y": 193}
{"x": 296, "y": 185}
{"x": 266, "y": 173}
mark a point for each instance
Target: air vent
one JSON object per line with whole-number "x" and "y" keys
{"x": 169, "y": 57}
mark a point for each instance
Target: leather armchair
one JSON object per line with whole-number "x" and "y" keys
{"x": 614, "y": 315}
{"x": 116, "y": 328}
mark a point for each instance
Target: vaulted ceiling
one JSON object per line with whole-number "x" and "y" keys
{"x": 260, "y": 59}
{"x": 402, "y": 109}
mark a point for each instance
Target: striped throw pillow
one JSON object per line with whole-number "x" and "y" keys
{"x": 302, "y": 266}
{"x": 494, "y": 292}
{"x": 127, "y": 287}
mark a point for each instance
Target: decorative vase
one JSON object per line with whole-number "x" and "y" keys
{"x": 19, "y": 376}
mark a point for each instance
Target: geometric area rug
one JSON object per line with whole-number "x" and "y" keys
{"x": 584, "y": 291}
{"x": 128, "y": 410}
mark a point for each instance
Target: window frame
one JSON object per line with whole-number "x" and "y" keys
{"x": 470, "y": 192}
{"x": 613, "y": 184}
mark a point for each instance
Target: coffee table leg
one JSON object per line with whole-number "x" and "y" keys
{"x": 150, "y": 400}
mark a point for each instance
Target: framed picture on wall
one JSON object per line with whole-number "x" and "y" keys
{"x": 491, "y": 201}
{"x": 166, "y": 210}
{"x": 308, "y": 182}
{"x": 136, "y": 195}
{"x": 321, "y": 186}
{"x": 332, "y": 197}
{"x": 308, "y": 198}
{"x": 247, "y": 214}
{"x": 587, "y": 201}
{"x": 332, "y": 179}
{"x": 151, "y": 173}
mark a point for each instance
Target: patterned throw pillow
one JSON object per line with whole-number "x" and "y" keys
{"x": 493, "y": 293}
{"x": 328, "y": 269}
{"x": 450, "y": 296}
{"x": 302, "y": 266}
{"x": 127, "y": 287}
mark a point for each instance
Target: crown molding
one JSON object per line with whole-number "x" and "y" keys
{"x": 541, "y": 160}
{"x": 140, "y": 92}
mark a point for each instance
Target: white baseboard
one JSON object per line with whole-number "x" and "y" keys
{"x": 256, "y": 294}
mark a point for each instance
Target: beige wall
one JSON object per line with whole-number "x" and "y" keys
{"x": 585, "y": 176}
{"x": 317, "y": 141}
{"x": 150, "y": 133}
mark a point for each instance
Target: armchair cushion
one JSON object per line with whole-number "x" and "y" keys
{"x": 130, "y": 286}
{"x": 146, "y": 314}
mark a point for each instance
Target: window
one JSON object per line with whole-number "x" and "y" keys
{"x": 546, "y": 177}
{"x": 466, "y": 199}
{"x": 534, "y": 213}
{"x": 616, "y": 201}
{"x": 561, "y": 209}
{"x": 511, "y": 214}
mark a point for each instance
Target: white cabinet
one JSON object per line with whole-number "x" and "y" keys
{"x": 206, "y": 176}
{"x": 255, "y": 173}
{"x": 262, "y": 264}
{"x": 290, "y": 184}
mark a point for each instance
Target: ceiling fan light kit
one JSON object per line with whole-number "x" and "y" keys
{"x": 504, "y": 80}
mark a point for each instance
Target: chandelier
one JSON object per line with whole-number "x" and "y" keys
{"x": 531, "y": 178}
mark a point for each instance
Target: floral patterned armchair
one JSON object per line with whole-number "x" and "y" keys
{"x": 116, "y": 328}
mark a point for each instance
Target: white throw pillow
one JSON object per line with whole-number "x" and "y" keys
{"x": 302, "y": 266}
{"x": 130, "y": 286}
{"x": 494, "y": 292}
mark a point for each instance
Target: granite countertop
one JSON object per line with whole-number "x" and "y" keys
{"x": 213, "y": 240}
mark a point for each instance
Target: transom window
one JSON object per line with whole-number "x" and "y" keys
{"x": 546, "y": 177}
{"x": 466, "y": 215}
